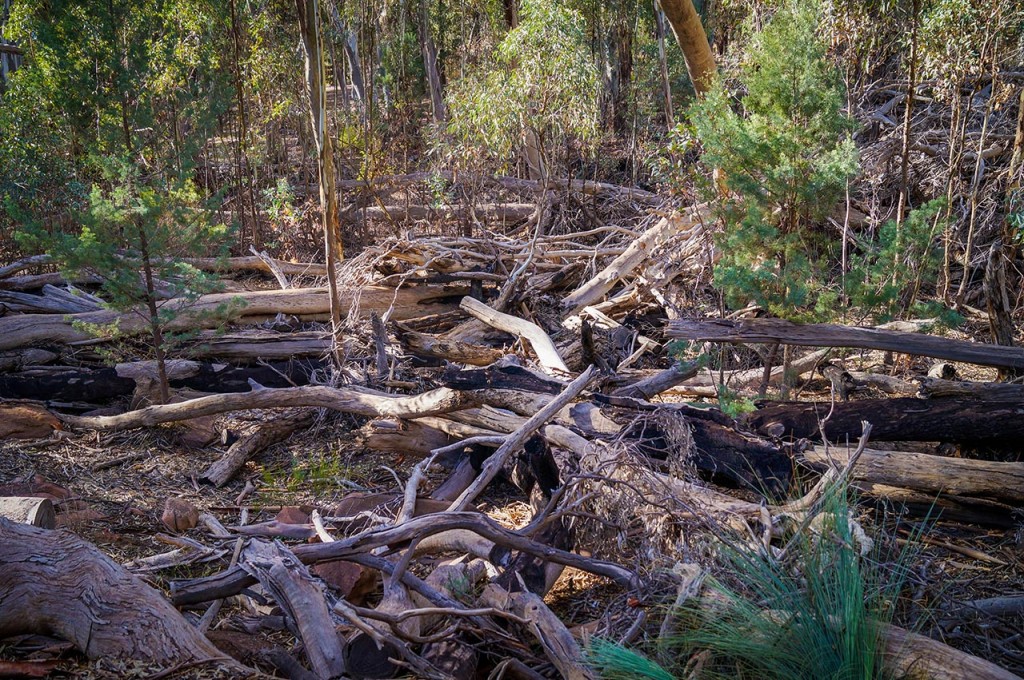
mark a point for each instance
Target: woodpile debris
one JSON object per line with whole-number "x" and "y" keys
{"x": 539, "y": 360}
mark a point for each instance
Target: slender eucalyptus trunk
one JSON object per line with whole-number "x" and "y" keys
{"x": 666, "y": 84}
{"x": 429, "y": 51}
{"x": 312, "y": 43}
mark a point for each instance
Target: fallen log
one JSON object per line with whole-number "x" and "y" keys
{"x": 927, "y": 473}
{"x": 770, "y": 331}
{"x": 987, "y": 391}
{"x": 54, "y": 583}
{"x": 433, "y": 402}
{"x": 557, "y": 642}
{"x": 99, "y": 385}
{"x": 677, "y": 374}
{"x": 270, "y": 432}
{"x": 434, "y": 347}
{"x": 258, "y": 344}
{"x": 37, "y": 512}
{"x": 301, "y": 598}
{"x": 51, "y": 302}
{"x": 405, "y": 303}
{"x": 916, "y": 657}
{"x": 542, "y": 346}
{"x": 898, "y": 419}
{"x": 667, "y": 229}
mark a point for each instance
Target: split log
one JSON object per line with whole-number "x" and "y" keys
{"x": 253, "y": 345}
{"x": 405, "y": 303}
{"x": 301, "y": 598}
{"x": 772, "y": 331}
{"x": 51, "y": 302}
{"x": 16, "y": 360}
{"x": 434, "y": 347}
{"x": 38, "y": 281}
{"x": 927, "y": 473}
{"x": 271, "y": 432}
{"x": 37, "y": 512}
{"x": 668, "y": 229}
{"x": 538, "y": 339}
{"x": 433, "y": 402}
{"x": 57, "y": 584}
{"x": 899, "y": 419}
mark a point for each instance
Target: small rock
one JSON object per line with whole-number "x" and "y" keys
{"x": 179, "y": 515}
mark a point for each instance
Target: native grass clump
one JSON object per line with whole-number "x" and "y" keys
{"x": 818, "y": 608}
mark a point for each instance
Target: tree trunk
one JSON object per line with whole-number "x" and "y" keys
{"x": 316, "y": 88}
{"x": 666, "y": 84}
{"x": 829, "y": 335}
{"x": 689, "y": 32}
{"x": 429, "y": 51}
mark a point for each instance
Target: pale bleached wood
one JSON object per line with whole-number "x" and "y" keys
{"x": 302, "y": 599}
{"x": 667, "y": 229}
{"x": 434, "y": 402}
{"x": 32, "y": 329}
{"x": 538, "y": 339}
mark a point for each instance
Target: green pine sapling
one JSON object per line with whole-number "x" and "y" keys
{"x": 134, "y": 235}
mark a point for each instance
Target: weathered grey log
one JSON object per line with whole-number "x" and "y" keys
{"x": 251, "y": 345}
{"x": 829, "y": 335}
{"x": 51, "y": 302}
{"x": 241, "y": 451}
{"x": 931, "y": 474}
{"x": 301, "y": 598}
{"x": 659, "y": 382}
{"x": 35, "y": 329}
{"x": 555, "y": 639}
{"x": 900, "y": 419}
{"x": 434, "y": 402}
{"x": 54, "y": 583}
